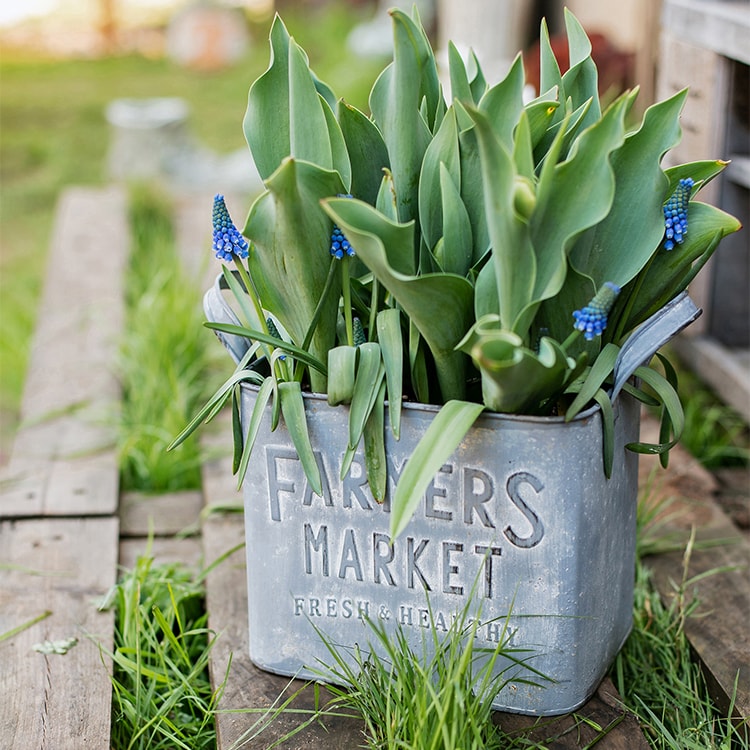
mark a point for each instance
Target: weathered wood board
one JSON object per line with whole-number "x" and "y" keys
{"x": 162, "y": 515}
{"x": 718, "y": 631}
{"x": 63, "y": 461}
{"x": 62, "y": 567}
{"x": 164, "y": 550}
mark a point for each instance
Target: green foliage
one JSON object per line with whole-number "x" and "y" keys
{"x": 163, "y": 359}
{"x": 494, "y": 221}
{"x": 439, "y": 697}
{"x": 37, "y": 161}
{"x": 162, "y": 697}
{"x": 657, "y": 676}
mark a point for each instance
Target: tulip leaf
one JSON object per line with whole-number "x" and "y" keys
{"x": 670, "y": 270}
{"x": 441, "y": 438}
{"x": 392, "y": 348}
{"x": 567, "y": 204}
{"x": 367, "y": 152}
{"x": 631, "y": 234}
{"x": 442, "y": 153}
{"x": 438, "y": 304}
{"x": 459, "y": 77}
{"x": 290, "y": 251}
{"x": 514, "y": 260}
{"x": 514, "y": 378}
{"x": 293, "y": 411}
{"x": 394, "y": 101}
{"x": 456, "y": 252}
{"x": 503, "y": 103}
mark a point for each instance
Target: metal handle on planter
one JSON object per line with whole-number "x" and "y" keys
{"x": 217, "y": 310}
{"x": 651, "y": 336}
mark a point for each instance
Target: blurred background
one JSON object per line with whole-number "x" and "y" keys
{"x": 100, "y": 91}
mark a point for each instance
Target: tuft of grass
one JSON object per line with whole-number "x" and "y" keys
{"x": 53, "y": 133}
{"x": 164, "y": 360}
{"x": 162, "y": 697}
{"x": 655, "y": 672}
{"x": 715, "y": 433}
{"x": 439, "y": 697}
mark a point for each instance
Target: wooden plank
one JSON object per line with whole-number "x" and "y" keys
{"x": 249, "y": 688}
{"x": 601, "y": 717}
{"x": 62, "y": 461}
{"x": 162, "y": 515}
{"x": 164, "y": 550}
{"x": 64, "y": 567}
{"x": 718, "y": 631}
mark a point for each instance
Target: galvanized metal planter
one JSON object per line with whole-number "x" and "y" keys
{"x": 522, "y": 509}
{"x": 521, "y": 516}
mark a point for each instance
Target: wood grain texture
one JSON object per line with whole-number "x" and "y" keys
{"x": 248, "y": 688}
{"x": 62, "y": 461}
{"x": 718, "y": 632}
{"x": 62, "y": 567}
{"x": 165, "y": 515}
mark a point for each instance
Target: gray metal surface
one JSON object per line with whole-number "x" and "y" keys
{"x": 521, "y": 512}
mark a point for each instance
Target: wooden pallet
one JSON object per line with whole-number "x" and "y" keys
{"x": 61, "y": 518}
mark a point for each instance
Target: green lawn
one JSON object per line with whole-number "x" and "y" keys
{"x": 53, "y": 133}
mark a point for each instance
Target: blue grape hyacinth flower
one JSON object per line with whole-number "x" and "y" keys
{"x": 592, "y": 319}
{"x": 675, "y": 214}
{"x": 339, "y": 244}
{"x": 227, "y": 241}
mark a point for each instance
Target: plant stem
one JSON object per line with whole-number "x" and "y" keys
{"x": 252, "y": 292}
{"x": 373, "y": 309}
{"x": 347, "y": 294}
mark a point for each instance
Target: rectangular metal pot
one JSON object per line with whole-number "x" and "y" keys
{"x": 522, "y": 512}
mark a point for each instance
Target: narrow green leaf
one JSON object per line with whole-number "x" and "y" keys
{"x": 288, "y": 347}
{"x": 219, "y": 397}
{"x": 293, "y": 410}
{"x": 374, "y": 437}
{"x": 342, "y": 369}
{"x": 388, "y": 324}
{"x": 599, "y": 372}
{"x": 236, "y": 430}
{"x": 267, "y": 388}
{"x": 370, "y": 373}
{"x": 672, "y": 410}
{"x": 608, "y": 431}
{"x": 442, "y": 437}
